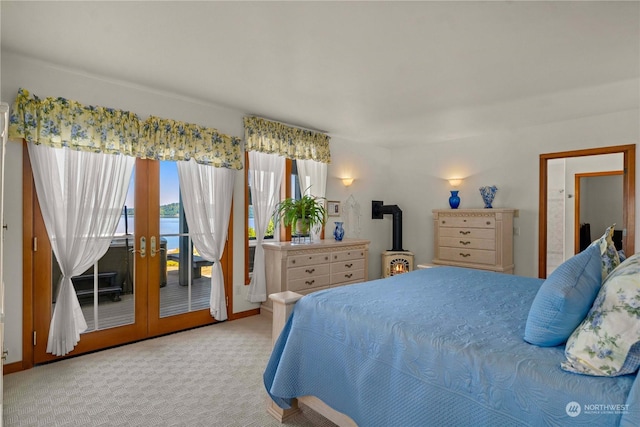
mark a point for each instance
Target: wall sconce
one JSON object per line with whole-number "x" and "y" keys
{"x": 347, "y": 181}
{"x": 454, "y": 182}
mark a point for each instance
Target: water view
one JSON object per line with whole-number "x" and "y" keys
{"x": 169, "y": 227}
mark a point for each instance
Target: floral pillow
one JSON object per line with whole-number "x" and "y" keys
{"x": 607, "y": 342}
{"x": 608, "y": 252}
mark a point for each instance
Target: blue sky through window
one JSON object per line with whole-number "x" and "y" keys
{"x": 169, "y": 185}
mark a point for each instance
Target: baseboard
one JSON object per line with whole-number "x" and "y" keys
{"x": 10, "y": 368}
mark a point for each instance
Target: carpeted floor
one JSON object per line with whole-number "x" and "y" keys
{"x": 210, "y": 376}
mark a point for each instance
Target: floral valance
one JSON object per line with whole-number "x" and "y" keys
{"x": 59, "y": 122}
{"x": 166, "y": 139}
{"x": 277, "y": 138}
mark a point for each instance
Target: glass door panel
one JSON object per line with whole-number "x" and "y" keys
{"x": 104, "y": 291}
{"x": 113, "y": 302}
{"x": 185, "y": 284}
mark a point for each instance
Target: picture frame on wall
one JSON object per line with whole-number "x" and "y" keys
{"x": 333, "y": 208}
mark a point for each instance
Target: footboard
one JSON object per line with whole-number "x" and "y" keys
{"x": 283, "y": 304}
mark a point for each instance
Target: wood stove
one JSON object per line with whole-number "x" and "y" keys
{"x": 396, "y": 262}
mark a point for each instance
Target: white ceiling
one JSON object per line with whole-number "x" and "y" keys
{"x": 386, "y": 73}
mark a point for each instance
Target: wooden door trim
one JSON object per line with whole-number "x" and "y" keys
{"x": 28, "y": 197}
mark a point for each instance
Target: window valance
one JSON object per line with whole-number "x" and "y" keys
{"x": 276, "y": 138}
{"x": 59, "y": 122}
{"x": 166, "y": 139}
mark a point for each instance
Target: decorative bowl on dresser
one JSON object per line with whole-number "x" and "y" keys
{"x": 306, "y": 268}
{"x": 474, "y": 238}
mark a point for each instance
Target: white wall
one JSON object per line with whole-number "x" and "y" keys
{"x": 603, "y": 206}
{"x": 369, "y": 166}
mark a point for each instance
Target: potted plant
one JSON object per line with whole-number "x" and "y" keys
{"x": 301, "y": 214}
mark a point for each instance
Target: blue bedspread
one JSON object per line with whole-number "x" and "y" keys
{"x": 437, "y": 347}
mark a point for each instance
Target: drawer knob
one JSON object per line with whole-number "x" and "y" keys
{"x": 348, "y": 265}
{"x": 444, "y": 222}
{"x": 309, "y": 282}
{"x": 464, "y": 243}
{"x": 348, "y": 276}
{"x": 464, "y": 233}
{"x": 310, "y": 270}
{"x": 464, "y": 255}
{"x": 293, "y": 261}
{"x": 488, "y": 222}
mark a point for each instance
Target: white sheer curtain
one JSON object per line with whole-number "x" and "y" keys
{"x": 81, "y": 196}
{"x": 265, "y": 171}
{"x": 313, "y": 181}
{"x": 207, "y": 192}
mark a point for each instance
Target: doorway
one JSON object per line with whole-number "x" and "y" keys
{"x": 548, "y": 207}
{"x": 594, "y": 191}
{"x": 150, "y": 282}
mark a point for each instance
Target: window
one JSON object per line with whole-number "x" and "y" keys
{"x": 291, "y": 189}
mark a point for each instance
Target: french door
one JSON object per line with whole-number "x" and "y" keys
{"x": 150, "y": 282}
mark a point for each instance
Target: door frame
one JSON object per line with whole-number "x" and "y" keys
{"x": 629, "y": 195}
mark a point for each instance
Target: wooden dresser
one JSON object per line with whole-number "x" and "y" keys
{"x": 475, "y": 238}
{"x": 306, "y": 268}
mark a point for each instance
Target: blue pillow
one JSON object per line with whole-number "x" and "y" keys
{"x": 564, "y": 299}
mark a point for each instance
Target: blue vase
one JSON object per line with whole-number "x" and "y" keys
{"x": 488, "y": 194}
{"x": 454, "y": 200}
{"x": 338, "y": 232}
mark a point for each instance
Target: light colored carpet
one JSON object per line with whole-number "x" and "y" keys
{"x": 210, "y": 376}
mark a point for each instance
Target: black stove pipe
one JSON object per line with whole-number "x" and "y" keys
{"x": 379, "y": 209}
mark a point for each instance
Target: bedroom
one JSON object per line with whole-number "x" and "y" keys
{"x": 488, "y": 121}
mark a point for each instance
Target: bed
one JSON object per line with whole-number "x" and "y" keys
{"x": 435, "y": 347}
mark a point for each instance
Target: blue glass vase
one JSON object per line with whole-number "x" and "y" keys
{"x": 338, "y": 232}
{"x": 454, "y": 200}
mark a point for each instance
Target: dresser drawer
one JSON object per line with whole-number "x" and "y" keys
{"x": 467, "y": 243}
{"x": 350, "y": 265}
{"x": 347, "y": 276}
{"x": 472, "y": 233}
{"x": 471, "y": 256}
{"x": 470, "y": 221}
{"x": 308, "y": 283}
{"x": 347, "y": 255}
{"x": 308, "y": 271}
{"x": 310, "y": 259}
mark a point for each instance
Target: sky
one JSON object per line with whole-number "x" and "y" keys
{"x": 169, "y": 185}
